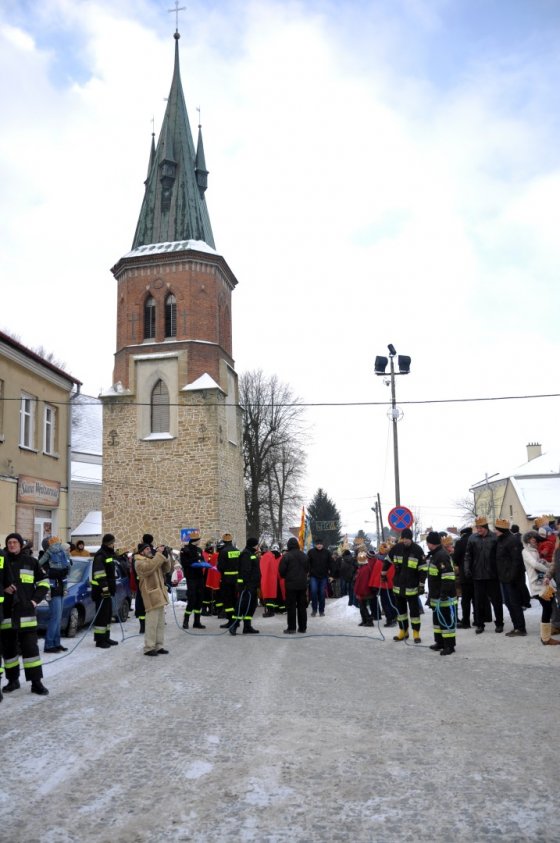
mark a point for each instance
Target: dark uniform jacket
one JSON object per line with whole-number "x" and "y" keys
{"x": 249, "y": 570}
{"x": 103, "y": 577}
{"x": 31, "y": 583}
{"x": 190, "y": 554}
{"x": 441, "y": 576}
{"x": 480, "y": 557}
{"x": 228, "y": 562}
{"x": 410, "y": 568}
{"x": 509, "y": 559}
{"x": 294, "y": 569}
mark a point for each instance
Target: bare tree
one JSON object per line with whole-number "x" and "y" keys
{"x": 273, "y": 437}
{"x": 467, "y": 507}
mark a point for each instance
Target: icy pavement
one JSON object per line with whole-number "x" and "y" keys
{"x": 287, "y": 738}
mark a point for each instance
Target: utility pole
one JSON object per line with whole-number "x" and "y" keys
{"x": 395, "y": 419}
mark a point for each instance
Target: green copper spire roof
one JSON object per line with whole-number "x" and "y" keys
{"x": 174, "y": 207}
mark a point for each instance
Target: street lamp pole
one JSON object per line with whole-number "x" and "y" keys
{"x": 395, "y": 414}
{"x": 394, "y": 419}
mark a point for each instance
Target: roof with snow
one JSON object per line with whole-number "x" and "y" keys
{"x": 91, "y": 525}
{"x": 86, "y": 472}
{"x": 205, "y": 381}
{"x": 174, "y": 246}
{"x": 546, "y": 465}
{"x": 538, "y": 494}
{"x": 87, "y": 425}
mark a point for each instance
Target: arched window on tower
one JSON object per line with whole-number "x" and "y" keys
{"x": 150, "y": 318}
{"x": 171, "y": 316}
{"x": 159, "y": 407}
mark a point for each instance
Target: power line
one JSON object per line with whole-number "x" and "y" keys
{"x": 275, "y": 404}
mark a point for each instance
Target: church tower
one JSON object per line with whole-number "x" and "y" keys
{"x": 172, "y": 449}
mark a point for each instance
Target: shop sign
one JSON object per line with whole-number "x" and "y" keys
{"x": 36, "y": 491}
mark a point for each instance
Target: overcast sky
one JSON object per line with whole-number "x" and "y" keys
{"x": 380, "y": 172}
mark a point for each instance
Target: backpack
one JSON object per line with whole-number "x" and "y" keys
{"x": 58, "y": 559}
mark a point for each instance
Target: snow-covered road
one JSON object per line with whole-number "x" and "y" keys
{"x": 287, "y": 738}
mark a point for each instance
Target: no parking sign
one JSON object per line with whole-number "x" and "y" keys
{"x": 400, "y": 517}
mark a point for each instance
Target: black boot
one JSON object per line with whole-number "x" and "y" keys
{"x": 225, "y": 625}
{"x": 197, "y": 624}
{"x": 37, "y": 687}
{"x": 142, "y": 625}
{"x": 248, "y": 629}
{"x": 13, "y": 685}
{"x": 233, "y": 628}
{"x": 186, "y": 622}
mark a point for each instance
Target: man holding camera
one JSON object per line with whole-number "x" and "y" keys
{"x": 151, "y": 570}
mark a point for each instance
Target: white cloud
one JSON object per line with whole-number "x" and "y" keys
{"x": 356, "y": 204}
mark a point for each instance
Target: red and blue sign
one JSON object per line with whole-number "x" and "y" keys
{"x": 186, "y": 533}
{"x": 400, "y": 517}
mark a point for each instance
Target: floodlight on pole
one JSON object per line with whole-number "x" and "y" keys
{"x": 403, "y": 362}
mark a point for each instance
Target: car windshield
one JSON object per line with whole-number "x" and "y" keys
{"x": 76, "y": 572}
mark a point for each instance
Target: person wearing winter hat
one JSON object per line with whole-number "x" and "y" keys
{"x": 511, "y": 573}
{"x": 228, "y": 566}
{"x": 56, "y": 563}
{"x": 383, "y": 587}
{"x": 28, "y": 586}
{"x": 294, "y": 570}
{"x": 410, "y": 575}
{"x": 269, "y": 563}
{"x": 480, "y": 564}
{"x": 248, "y": 581}
{"x": 539, "y": 574}
{"x": 441, "y": 590}
{"x": 151, "y": 569}
{"x": 103, "y": 588}
{"x": 193, "y": 564}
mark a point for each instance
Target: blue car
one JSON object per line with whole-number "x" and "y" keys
{"x": 78, "y": 608}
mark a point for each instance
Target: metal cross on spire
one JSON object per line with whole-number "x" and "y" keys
{"x": 177, "y": 9}
{"x": 199, "y": 123}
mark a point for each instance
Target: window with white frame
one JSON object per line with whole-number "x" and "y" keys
{"x": 49, "y": 430}
{"x": 27, "y": 421}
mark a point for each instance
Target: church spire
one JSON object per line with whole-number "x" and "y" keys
{"x": 174, "y": 207}
{"x": 200, "y": 164}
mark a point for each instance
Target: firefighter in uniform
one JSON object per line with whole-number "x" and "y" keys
{"x": 442, "y": 595}
{"x": 193, "y": 564}
{"x": 28, "y": 585}
{"x": 248, "y": 582}
{"x": 103, "y": 582}
{"x": 228, "y": 558}
{"x": 408, "y": 584}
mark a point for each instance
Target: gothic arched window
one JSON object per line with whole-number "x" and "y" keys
{"x": 171, "y": 316}
{"x": 150, "y": 318}
{"x": 159, "y": 408}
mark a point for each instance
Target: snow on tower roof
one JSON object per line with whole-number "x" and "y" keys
{"x": 175, "y": 246}
{"x": 205, "y": 381}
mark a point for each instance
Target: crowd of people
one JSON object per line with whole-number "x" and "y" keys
{"x": 473, "y": 576}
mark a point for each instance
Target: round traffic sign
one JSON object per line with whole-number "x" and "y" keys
{"x": 400, "y": 517}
